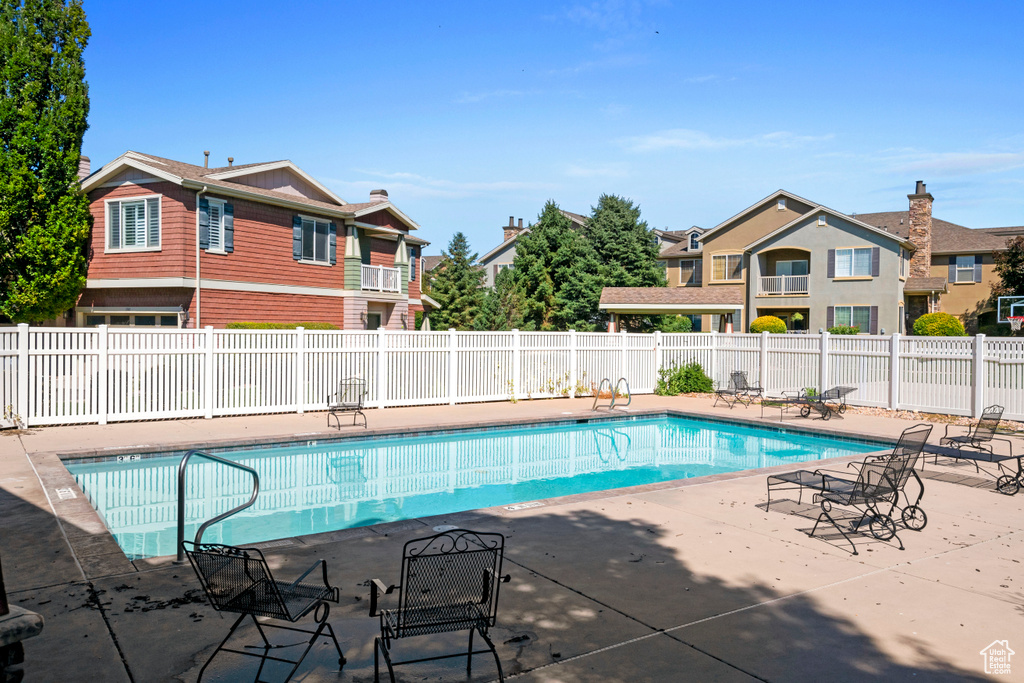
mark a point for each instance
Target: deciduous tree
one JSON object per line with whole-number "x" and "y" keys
{"x": 44, "y": 102}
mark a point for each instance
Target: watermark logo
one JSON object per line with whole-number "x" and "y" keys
{"x": 997, "y": 657}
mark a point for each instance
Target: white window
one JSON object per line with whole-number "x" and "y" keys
{"x": 853, "y": 262}
{"x": 694, "y": 246}
{"x": 791, "y": 267}
{"x": 854, "y": 316}
{"x": 315, "y": 241}
{"x": 727, "y": 267}
{"x": 216, "y": 225}
{"x": 822, "y": 220}
{"x": 505, "y": 266}
{"x": 662, "y": 264}
{"x": 689, "y": 272}
{"x": 133, "y": 224}
{"x": 964, "y": 268}
{"x": 903, "y": 262}
{"x": 781, "y": 205}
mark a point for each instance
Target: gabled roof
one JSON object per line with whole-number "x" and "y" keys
{"x": 946, "y": 237}
{"x": 431, "y": 262}
{"x": 773, "y": 196}
{"x": 818, "y": 210}
{"x": 222, "y": 180}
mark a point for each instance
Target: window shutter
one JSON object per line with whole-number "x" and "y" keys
{"x": 977, "y": 267}
{"x": 153, "y": 219}
{"x": 114, "y": 232}
{"x": 830, "y": 317}
{"x": 332, "y": 248}
{"x": 229, "y": 228}
{"x": 412, "y": 264}
{"x": 297, "y": 238}
{"x": 204, "y": 223}
{"x": 873, "y": 324}
{"x": 831, "y": 265}
{"x": 952, "y": 269}
{"x": 876, "y": 257}
{"x": 495, "y": 266}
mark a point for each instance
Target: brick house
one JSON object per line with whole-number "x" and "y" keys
{"x": 180, "y": 245}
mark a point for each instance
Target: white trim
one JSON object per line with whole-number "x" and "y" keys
{"x": 107, "y": 249}
{"x": 209, "y": 234}
{"x": 138, "y": 181}
{"x": 224, "y": 285}
{"x": 824, "y": 209}
{"x": 274, "y": 166}
{"x": 159, "y": 310}
{"x": 327, "y": 257}
{"x": 427, "y": 300}
{"x": 510, "y": 240}
{"x": 703, "y": 308}
{"x": 122, "y": 162}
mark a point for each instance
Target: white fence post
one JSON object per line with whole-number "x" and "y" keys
{"x": 300, "y": 369}
{"x": 978, "y": 377}
{"x": 382, "y": 366}
{"x": 208, "y": 383}
{"x": 762, "y": 377}
{"x": 895, "y": 372}
{"x": 573, "y": 342}
{"x": 823, "y": 377}
{"x": 625, "y": 360}
{"x": 21, "y": 409}
{"x": 453, "y": 367}
{"x": 102, "y": 347}
{"x": 517, "y": 362}
{"x": 657, "y": 354}
{"x": 714, "y": 357}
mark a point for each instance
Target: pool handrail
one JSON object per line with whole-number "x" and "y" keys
{"x": 615, "y": 393}
{"x": 181, "y": 498}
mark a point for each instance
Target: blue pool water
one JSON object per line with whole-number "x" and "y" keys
{"x": 311, "y": 488}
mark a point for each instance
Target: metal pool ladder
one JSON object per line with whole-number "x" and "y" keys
{"x": 224, "y": 515}
{"x": 615, "y": 393}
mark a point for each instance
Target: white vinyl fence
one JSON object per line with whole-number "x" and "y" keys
{"x": 64, "y": 376}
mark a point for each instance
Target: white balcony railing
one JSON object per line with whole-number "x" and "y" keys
{"x": 782, "y": 285}
{"x": 380, "y": 278}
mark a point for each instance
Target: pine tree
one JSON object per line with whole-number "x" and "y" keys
{"x": 624, "y": 244}
{"x": 456, "y": 285}
{"x": 556, "y": 273}
{"x": 44, "y": 103}
{"x": 502, "y": 308}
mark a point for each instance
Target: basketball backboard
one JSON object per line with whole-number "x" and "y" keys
{"x": 1009, "y": 307}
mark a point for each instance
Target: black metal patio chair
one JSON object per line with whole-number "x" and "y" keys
{"x": 449, "y": 583}
{"x": 881, "y": 479}
{"x": 238, "y": 580}
{"x": 976, "y": 446}
{"x": 349, "y": 399}
{"x": 738, "y": 390}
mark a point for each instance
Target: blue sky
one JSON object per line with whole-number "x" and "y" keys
{"x": 468, "y": 113}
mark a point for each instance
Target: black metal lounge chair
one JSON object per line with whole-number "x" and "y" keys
{"x": 881, "y": 479}
{"x": 449, "y": 583}
{"x": 816, "y": 404}
{"x": 238, "y": 580}
{"x": 349, "y": 399}
{"x": 738, "y": 390}
{"x": 976, "y": 445}
{"x": 836, "y": 398}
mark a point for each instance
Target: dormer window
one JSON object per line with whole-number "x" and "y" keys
{"x": 781, "y": 205}
{"x": 694, "y": 246}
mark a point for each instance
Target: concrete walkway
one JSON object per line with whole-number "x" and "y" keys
{"x": 689, "y": 581}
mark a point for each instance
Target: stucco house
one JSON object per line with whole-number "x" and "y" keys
{"x": 181, "y": 245}
{"x": 786, "y": 255}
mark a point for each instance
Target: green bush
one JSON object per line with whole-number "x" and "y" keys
{"x": 844, "y": 329}
{"x": 675, "y": 323}
{"x": 768, "y": 323}
{"x": 939, "y": 325}
{"x": 280, "y": 326}
{"x": 688, "y": 379}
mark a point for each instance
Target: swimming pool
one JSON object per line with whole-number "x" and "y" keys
{"x": 316, "y": 487}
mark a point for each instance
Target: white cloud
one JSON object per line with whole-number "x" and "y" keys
{"x": 959, "y": 163}
{"x": 412, "y": 185}
{"x": 602, "y": 171}
{"x": 683, "y": 138}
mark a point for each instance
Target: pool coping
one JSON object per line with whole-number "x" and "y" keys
{"x": 98, "y": 554}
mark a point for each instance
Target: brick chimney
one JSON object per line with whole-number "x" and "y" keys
{"x": 921, "y": 231}
{"x": 378, "y": 196}
{"x": 84, "y": 166}
{"x": 511, "y": 230}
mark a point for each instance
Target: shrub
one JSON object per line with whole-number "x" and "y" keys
{"x": 688, "y": 379}
{"x": 675, "y": 323}
{"x": 768, "y": 323}
{"x": 844, "y": 329}
{"x": 939, "y": 325}
{"x": 280, "y": 326}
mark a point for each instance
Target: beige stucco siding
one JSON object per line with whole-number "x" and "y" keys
{"x": 965, "y": 298}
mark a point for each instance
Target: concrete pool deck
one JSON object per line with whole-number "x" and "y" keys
{"x": 694, "y": 581}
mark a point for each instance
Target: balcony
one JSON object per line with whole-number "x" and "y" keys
{"x": 380, "y": 279}
{"x": 782, "y": 285}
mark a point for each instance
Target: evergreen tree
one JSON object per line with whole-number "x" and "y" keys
{"x": 456, "y": 284}
{"x": 556, "y": 274}
{"x": 624, "y": 244}
{"x": 44, "y": 103}
{"x": 502, "y": 308}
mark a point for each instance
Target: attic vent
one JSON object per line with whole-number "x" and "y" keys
{"x": 821, "y": 220}
{"x": 781, "y": 206}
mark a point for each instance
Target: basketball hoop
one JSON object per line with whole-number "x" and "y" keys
{"x": 1015, "y": 322}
